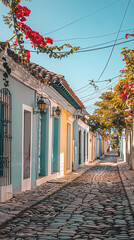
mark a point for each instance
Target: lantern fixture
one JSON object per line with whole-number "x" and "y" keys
{"x": 41, "y": 105}
{"x": 58, "y": 111}
{"x": 55, "y": 112}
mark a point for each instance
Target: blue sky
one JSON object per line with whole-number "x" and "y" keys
{"x": 47, "y": 16}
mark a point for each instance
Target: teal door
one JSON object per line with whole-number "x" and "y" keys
{"x": 55, "y": 150}
{"x": 43, "y": 141}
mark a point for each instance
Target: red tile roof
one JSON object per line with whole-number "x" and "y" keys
{"x": 41, "y": 73}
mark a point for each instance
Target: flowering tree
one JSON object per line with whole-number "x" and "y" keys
{"x": 16, "y": 18}
{"x": 125, "y": 86}
{"x": 108, "y": 115}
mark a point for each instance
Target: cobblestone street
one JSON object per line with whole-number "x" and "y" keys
{"x": 93, "y": 206}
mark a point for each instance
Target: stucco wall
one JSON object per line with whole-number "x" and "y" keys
{"x": 79, "y": 125}
{"x": 20, "y": 95}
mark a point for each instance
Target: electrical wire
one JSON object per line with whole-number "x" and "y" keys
{"x": 95, "y": 81}
{"x": 89, "y": 99}
{"x": 96, "y": 45}
{"x": 100, "y": 44}
{"x": 114, "y": 42}
{"x": 89, "y": 50}
{"x": 94, "y": 49}
{"x": 82, "y": 87}
{"x": 79, "y": 19}
{"x": 85, "y": 38}
{"x": 92, "y": 37}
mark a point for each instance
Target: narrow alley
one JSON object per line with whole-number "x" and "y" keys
{"x": 93, "y": 206}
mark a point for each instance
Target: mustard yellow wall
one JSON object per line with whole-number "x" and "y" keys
{"x": 91, "y": 147}
{"x": 102, "y": 146}
{"x": 63, "y": 137}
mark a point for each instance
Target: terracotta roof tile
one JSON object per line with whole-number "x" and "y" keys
{"x": 41, "y": 73}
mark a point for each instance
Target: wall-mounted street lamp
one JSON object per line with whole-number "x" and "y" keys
{"x": 40, "y": 106}
{"x": 43, "y": 103}
{"x": 58, "y": 111}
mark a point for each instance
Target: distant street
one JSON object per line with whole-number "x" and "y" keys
{"x": 94, "y": 206}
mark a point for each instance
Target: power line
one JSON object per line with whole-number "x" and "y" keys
{"x": 89, "y": 50}
{"x": 85, "y": 38}
{"x": 100, "y": 44}
{"x": 81, "y": 88}
{"x": 94, "y": 49}
{"x": 95, "y": 92}
{"x": 114, "y": 42}
{"x": 79, "y": 19}
{"x": 96, "y": 81}
{"x": 89, "y": 99}
{"x": 96, "y": 44}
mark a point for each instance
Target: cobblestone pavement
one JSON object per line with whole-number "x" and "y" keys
{"x": 93, "y": 206}
{"x": 25, "y": 200}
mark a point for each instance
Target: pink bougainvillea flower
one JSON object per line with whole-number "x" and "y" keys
{"x": 22, "y": 12}
{"x": 27, "y": 55}
{"x": 49, "y": 40}
{"x": 16, "y": 42}
{"x": 126, "y": 35}
{"x": 132, "y": 86}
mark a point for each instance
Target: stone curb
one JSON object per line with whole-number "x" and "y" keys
{"x": 124, "y": 168}
{"x": 5, "y": 218}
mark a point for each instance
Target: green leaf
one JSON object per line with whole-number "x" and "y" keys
{"x": 8, "y": 69}
{"x": 5, "y": 75}
{"x": 4, "y": 59}
{"x": 6, "y": 83}
{"x": 5, "y": 64}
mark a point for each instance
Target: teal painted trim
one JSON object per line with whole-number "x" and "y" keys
{"x": 34, "y": 151}
{"x": 38, "y": 122}
{"x": 64, "y": 93}
{"x": 44, "y": 145}
{"x": 55, "y": 147}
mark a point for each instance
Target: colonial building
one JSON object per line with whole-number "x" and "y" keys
{"x": 36, "y": 126}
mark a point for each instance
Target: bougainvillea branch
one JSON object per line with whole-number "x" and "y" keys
{"x": 16, "y": 18}
{"x": 125, "y": 87}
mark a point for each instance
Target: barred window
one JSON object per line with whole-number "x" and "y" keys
{"x": 5, "y": 136}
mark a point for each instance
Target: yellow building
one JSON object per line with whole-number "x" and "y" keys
{"x": 68, "y": 106}
{"x": 92, "y": 145}
{"x": 66, "y": 141}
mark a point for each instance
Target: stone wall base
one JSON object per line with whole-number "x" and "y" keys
{"x": 6, "y": 193}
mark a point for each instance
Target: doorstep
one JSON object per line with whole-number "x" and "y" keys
{"x": 44, "y": 179}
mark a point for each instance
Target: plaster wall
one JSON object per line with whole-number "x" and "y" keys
{"x": 65, "y": 118}
{"x": 20, "y": 95}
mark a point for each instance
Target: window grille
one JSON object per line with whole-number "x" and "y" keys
{"x": 5, "y": 136}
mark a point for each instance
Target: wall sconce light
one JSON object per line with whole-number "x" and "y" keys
{"x": 41, "y": 105}
{"x": 56, "y": 112}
